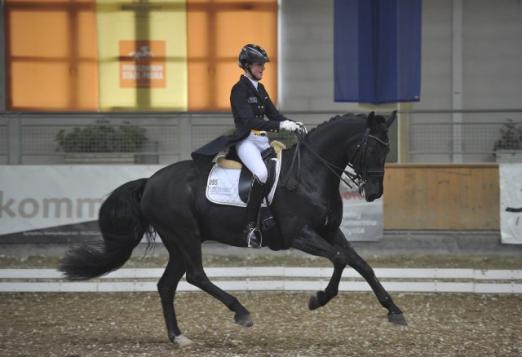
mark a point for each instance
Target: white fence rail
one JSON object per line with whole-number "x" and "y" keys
{"x": 273, "y": 279}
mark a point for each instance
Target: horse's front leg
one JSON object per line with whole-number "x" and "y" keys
{"x": 359, "y": 264}
{"x": 312, "y": 243}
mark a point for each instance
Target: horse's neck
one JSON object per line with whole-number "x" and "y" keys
{"x": 335, "y": 143}
{"x": 331, "y": 143}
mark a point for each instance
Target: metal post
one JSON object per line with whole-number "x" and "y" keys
{"x": 3, "y": 84}
{"x": 14, "y": 139}
{"x": 403, "y": 124}
{"x": 457, "y": 87}
{"x": 185, "y": 137}
{"x": 280, "y": 55}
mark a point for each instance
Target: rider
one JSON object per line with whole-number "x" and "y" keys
{"x": 250, "y": 103}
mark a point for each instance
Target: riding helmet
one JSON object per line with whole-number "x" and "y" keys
{"x": 252, "y": 54}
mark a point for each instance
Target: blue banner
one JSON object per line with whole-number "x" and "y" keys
{"x": 377, "y": 50}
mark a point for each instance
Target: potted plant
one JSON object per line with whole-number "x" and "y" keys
{"x": 101, "y": 143}
{"x": 509, "y": 147}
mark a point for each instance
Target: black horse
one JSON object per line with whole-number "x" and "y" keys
{"x": 307, "y": 207}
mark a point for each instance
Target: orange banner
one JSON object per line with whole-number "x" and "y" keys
{"x": 51, "y": 51}
{"x": 133, "y": 55}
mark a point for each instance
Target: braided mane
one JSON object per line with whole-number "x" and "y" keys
{"x": 337, "y": 118}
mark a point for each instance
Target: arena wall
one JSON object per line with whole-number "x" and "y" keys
{"x": 441, "y": 197}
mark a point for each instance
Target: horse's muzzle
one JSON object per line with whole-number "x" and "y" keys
{"x": 371, "y": 198}
{"x": 371, "y": 192}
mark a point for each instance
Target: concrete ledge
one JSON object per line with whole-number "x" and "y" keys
{"x": 439, "y": 242}
{"x": 273, "y": 279}
{"x": 394, "y": 243}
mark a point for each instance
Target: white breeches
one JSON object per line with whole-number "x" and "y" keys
{"x": 249, "y": 151}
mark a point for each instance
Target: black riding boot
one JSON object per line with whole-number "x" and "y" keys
{"x": 252, "y": 232}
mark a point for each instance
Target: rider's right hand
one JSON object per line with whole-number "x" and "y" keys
{"x": 288, "y": 125}
{"x": 302, "y": 127}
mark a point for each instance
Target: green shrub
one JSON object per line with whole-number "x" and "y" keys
{"x": 287, "y": 138}
{"x": 102, "y": 137}
{"x": 510, "y": 137}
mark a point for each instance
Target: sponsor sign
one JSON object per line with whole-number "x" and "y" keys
{"x": 63, "y": 201}
{"x": 142, "y": 64}
{"x": 510, "y": 203}
{"x": 362, "y": 221}
{"x": 41, "y": 197}
{"x": 142, "y": 54}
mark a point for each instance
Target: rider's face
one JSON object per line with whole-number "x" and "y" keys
{"x": 257, "y": 70}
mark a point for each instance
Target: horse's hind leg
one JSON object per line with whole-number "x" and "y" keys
{"x": 312, "y": 243}
{"x": 197, "y": 277}
{"x": 361, "y": 266}
{"x": 167, "y": 286}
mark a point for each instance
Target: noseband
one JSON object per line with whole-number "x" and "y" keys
{"x": 359, "y": 158}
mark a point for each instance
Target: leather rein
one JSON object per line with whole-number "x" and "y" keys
{"x": 357, "y": 162}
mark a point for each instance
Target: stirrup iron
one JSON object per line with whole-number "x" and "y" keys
{"x": 254, "y": 237}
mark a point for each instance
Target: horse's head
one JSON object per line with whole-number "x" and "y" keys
{"x": 356, "y": 140}
{"x": 371, "y": 156}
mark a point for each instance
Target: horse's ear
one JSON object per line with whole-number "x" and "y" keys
{"x": 391, "y": 119}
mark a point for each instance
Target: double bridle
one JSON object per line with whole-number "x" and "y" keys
{"x": 357, "y": 162}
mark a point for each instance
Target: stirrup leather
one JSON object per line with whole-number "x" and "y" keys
{"x": 253, "y": 233}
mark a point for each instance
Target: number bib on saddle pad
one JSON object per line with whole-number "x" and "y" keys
{"x": 223, "y": 184}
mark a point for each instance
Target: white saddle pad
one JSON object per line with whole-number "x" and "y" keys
{"x": 222, "y": 186}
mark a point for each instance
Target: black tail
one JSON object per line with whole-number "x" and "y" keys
{"x": 122, "y": 225}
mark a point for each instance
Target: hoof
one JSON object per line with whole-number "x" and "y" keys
{"x": 397, "y": 319}
{"x": 315, "y": 300}
{"x": 243, "y": 320}
{"x": 313, "y": 303}
{"x": 182, "y": 341}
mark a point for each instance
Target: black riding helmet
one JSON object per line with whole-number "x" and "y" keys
{"x": 252, "y": 54}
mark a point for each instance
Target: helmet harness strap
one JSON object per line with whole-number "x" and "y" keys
{"x": 250, "y": 72}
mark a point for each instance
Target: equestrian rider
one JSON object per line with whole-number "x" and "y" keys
{"x": 250, "y": 103}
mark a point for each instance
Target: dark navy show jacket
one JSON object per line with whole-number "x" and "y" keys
{"x": 249, "y": 107}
